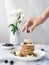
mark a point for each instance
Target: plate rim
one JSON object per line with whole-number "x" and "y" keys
{"x": 27, "y": 58}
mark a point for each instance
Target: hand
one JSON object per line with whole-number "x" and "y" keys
{"x": 32, "y": 23}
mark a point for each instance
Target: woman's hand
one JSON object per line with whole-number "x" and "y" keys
{"x": 32, "y": 23}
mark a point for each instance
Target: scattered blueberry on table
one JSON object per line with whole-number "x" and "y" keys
{"x": 6, "y": 61}
{"x": 11, "y": 62}
{"x": 14, "y": 53}
{"x": 42, "y": 49}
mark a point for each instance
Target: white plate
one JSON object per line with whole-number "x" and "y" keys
{"x": 40, "y": 53}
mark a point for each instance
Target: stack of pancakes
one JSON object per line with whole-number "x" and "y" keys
{"x": 27, "y": 48}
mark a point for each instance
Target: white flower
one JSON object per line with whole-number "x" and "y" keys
{"x": 20, "y": 11}
{"x": 17, "y": 15}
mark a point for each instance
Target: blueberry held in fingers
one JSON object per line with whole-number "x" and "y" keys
{"x": 28, "y": 31}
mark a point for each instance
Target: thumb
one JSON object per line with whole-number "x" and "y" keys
{"x": 32, "y": 27}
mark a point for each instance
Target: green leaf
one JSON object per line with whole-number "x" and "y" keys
{"x": 11, "y": 25}
{"x": 14, "y": 28}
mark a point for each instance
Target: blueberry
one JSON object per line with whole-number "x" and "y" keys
{"x": 35, "y": 55}
{"x": 14, "y": 53}
{"x": 30, "y": 54}
{"x": 11, "y": 62}
{"x": 8, "y": 44}
{"x": 6, "y": 61}
{"x": 42, "y": 49}
{"x": 22, "y": 55}
{"x": 28, "y": 31}
{"x": 25, "y": 43}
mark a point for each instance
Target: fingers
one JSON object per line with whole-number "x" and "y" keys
{"x": 26, "y": 28}
{"x": 23, "y": 29}
{"x": 32, "y": 27}
{"x": 30, "y": 22}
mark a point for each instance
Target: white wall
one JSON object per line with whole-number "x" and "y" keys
{"x": 4, "y": 37}
{"x": 32, "y": 8}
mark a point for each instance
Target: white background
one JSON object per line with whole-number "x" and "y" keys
{"x": 32, "y": 8}
{"x": 3, "y": 23}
